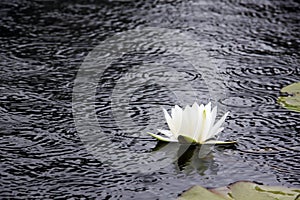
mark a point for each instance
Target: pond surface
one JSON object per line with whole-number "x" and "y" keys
{"x": 253, "y": 51}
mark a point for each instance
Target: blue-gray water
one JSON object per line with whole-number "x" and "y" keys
{"x": 255, "y": 47}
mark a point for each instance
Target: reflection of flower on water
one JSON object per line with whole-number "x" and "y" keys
{"x": 191, "y": 158}
{"x": 194, "y": 124}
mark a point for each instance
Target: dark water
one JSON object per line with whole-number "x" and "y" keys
{"x": 254, "y": 46}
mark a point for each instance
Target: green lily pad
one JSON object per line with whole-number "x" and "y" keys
{"x": 242, "y": 190}
{"x": 277, "y": 191}
{"x": 292, "y": 101}
{"x": 223, "y": 192}
{"x": 292, "y": 89}
{"x": 198, "y": 193}
{"x": 247, "y": 191}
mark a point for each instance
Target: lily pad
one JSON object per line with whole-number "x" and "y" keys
{"x": 223, "y": 192}
{"x": 242, "y": 190}
{"x": 292, "y": 101}
{"x": 198, "y": 193}
{"x": 249, "y": 190}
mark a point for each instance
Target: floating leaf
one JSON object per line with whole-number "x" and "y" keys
{"x": 292, "y": 89}
{"x": 198, "y": 193}
{"x": 223, "y": 192}
{"x": 280, "y": 192}
{"x": 242, "y": 190}
{"x": 247, "y": 191}
{"x": 292, "y": 101}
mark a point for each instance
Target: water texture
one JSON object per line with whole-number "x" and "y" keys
{"x": 254, "y": 46}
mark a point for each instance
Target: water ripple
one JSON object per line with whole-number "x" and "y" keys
{"x": 254, "y": 47}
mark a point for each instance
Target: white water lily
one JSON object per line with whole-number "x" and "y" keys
{"x": 194, "y": 124}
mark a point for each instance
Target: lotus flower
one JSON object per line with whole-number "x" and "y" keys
{"x": 194, "y": 124}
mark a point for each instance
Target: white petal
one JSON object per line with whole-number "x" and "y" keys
{"x": 185, "y": 126}
{"x": 198, "y": 117}
{"x": 216, "y": 133}
{"x": 169, "y": 120}
{"x": 219, "y": 131}
{"x": 178, "y": 108}
{"x": 177, "y": 120}
{"x": 208, "y": 106}
{"x": 194, "y": 120}
{"x": 166, "y": 132}
{"x": 219, "y": 142}
{"x": 207, "y": 123}
{"x": 215, "y": 128}
{"x": 190, "y": 122}
{"x": 195, "y": 105}
{"x": 173, "y": 113}
{"x": 198, "y": 132}
{"x": 165, "y": 139}
{"x": 213, "y": 116}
